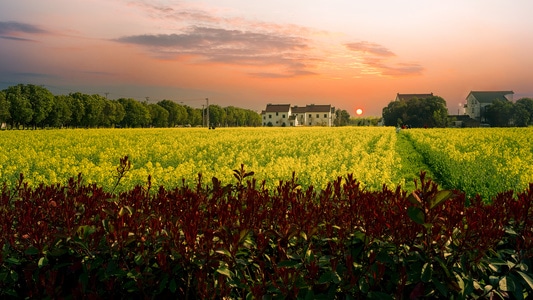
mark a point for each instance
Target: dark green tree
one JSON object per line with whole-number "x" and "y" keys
{"x": 5, "y": 116}
{"x": 194, "y": 116}
{"x": 159, "y": 115}
{"x": 500, "y": 113}
{"x": 217, "y": 115}
{"x": 113, "y": 112}
{"x": 93, "y": 108}
{"x": 61, "y": 113}
{"x": 77, "y": 107}
{"x": 252, "y": 118}
{"x": 173, "y": 111}
{"x": 41, "y": 100}
{"x": 415, "y": 112}
{"x": 20, "y": 107}
{"x": 395, "y": 113}
{"x": 232, "y": 116}
{"x": 342, "y": 117}
{"x": 137, "y": 113}
{"x": 524, "y": 111}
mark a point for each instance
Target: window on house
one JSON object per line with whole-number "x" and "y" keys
{"x": 317, "y": 115}
{"x": 270, "y": 116}
{"x": 276, "y": 113}
{"x": 310, "y": 116}
{"x": 283, "y": 116}
{"x": 325, "y": 115}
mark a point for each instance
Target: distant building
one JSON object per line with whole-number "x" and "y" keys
{"x": 282, "y": 115}
{"x": 477, "y": 101}
{"x": 407, "y": 97}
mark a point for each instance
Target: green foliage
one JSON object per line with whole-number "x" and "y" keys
{"x": 30, "y": 105}
{"x": 4, "y": 108}
{"x": 427, "y": 112}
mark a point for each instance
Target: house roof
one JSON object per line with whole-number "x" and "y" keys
{"x": 490, "y": 96}
{"x": 406, "y": 97}
{"x": 277, "y": 108}
{"x": 298, "y": 109}
{"x": 317, "y": 108}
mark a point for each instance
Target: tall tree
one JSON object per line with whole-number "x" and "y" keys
{"x": 194, "y": 116}
{"x": 20, "y": 107}
{"x": 415, "y": 112}
{"x": 525, "y": 105}
{"x": 77, "y": 107}
{"x": 41, "y": 100}
{"x": 342, "y": 117}
{"x": 61, "y": 113}
{"x": 94, "y": 105}
{"x": 217, "y": 115}
{"x": 5, "y": 116}
{"x": 500, "y": 113}
{"x": 113, "y": 112}
{"x": 159, "y": 115}
{"x": 173, "y": 111}
{"x": 137, "y": 113}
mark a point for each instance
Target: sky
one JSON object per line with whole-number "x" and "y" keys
{"x": 347, "y": 53}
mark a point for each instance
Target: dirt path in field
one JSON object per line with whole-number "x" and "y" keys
{"x": 412, "y": 162}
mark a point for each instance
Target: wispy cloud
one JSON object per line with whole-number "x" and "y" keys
{"x": 370, "y": 48}
{"x": 206, "y": 34}
{"x": 239, "y": 47}
{"x": 376, "y": 60}
{"x": 13, "y": 30}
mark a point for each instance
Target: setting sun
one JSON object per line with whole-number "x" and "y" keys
{"x": 359, "y": 111}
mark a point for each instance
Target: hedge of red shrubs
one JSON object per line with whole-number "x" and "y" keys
{"x": 240, "y": 240}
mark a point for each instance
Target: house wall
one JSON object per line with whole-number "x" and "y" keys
{"x": 474, "y": 108}
{"x": 276, "y": 118}
{"x": 318, "y": 119}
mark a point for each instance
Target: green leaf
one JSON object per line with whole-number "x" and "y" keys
{"x": 427, "y": 272}
{"x": 14, "y": 276}
{"x": 138, "y": 259}
{"x": 507, "y": 284}
{"x": 413, "y": 198}
{"x": 363, "y": 285}
{"x": 224, "y": 271}
{"x": 441, "y": 287}
{"x": 440, "y": 197}
{"x": 328, "y": 277}
{"x": 13, "y": 261}
{"x": 173, "y": 286}
{"x": 379, "y": 295}
{"x": 43, "y": 261}
{"x": 416, "y": 214}
{"x": 526, "y": 278}
{"x": 31, "y": 251}
{"x": 325, "y": 278}
{"x": 288, "y": 263}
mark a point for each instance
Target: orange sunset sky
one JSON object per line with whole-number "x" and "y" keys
{"x": 351, "y": 54}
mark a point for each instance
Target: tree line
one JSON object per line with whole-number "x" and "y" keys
{"x": 33, "y": 106}
{"x": 502, "y": 113}
{"x": 432, "y": 112}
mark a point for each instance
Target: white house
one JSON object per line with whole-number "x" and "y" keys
{"x": 276, "y": 115}
{"x": 477, "y": 101}
{"x": 310, "y": 115}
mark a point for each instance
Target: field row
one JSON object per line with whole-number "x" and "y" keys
{"x": 316, "y": 155}
{"x": 483, "y": 160}
{"x": 478, "y": 161}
